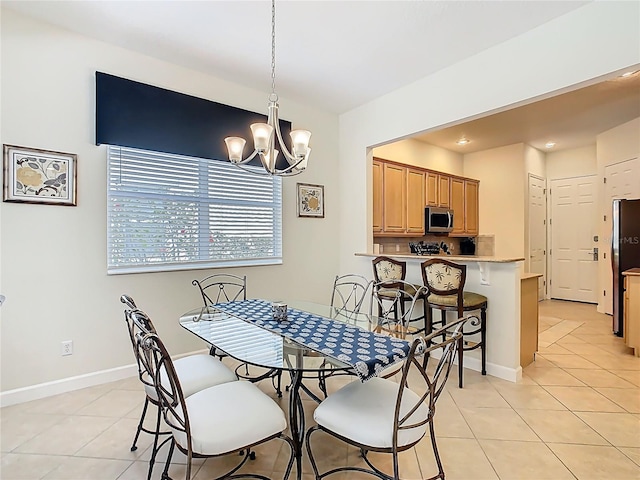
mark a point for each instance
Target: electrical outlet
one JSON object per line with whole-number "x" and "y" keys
{"x": 67, "y": 347}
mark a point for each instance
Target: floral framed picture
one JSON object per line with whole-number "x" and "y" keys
{"x": 310, "y": 200}
{"x": 39, "y": 176}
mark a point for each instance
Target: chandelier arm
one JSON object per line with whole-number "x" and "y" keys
{"x": 285, "y": 151}
{"x": 265, "y": 172}
{"x": 287, "y": 173}
{"x": 292, "y": 167}
{"x": 252, "y": 171}
{"x": 248, "y": 159}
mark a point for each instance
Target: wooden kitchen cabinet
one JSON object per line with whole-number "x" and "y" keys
{"x": 464, "y": 203}
{"x": 457, "y": 205}
{"x": 444, "y": 184}
{"x": 528, "y": 318}
{"x": 401, "y": 192}
{"x": 437, "y": 189}
{"x": 471, "y": 210}
{"x": 631, "y": 327}
{"x": 415, "y": 201}
{"x": 394, "y": 194}
{"x": 431, "y": 184}
{"x": 377, "y": 197}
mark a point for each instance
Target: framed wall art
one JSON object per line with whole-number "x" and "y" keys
{"x": 39, "y": 176}
{"x": 310, "y": 200}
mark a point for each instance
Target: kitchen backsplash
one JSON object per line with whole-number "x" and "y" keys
{"x": 401, "y": 244}
{"x": 485, "y": 244}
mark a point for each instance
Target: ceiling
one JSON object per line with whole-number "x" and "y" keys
{"x": 336, "y": 55}
{"x": 569, "y": 120}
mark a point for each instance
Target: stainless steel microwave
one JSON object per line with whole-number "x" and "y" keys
{"x": 438, "y": 220}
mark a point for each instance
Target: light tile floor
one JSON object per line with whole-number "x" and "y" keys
{"x": 574, "y": 415}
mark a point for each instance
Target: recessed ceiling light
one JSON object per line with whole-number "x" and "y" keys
{"x": 463, "y": 141}
{"x": 550, "y": 144}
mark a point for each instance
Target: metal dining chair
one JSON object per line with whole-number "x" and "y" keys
{"x": 381, "y": 415}
{"x": 347, "y": 298}
{"x": 225, "y": 287}
{"x": 196, "y": 371}
{"x": 395, "y": 301}
{"x": 395, "y": 313}
{"x": 222, "y": 287}
{"x": 229, "y": 418}
{"x": 387, "y": 270}
{"x": 349, "y": 293}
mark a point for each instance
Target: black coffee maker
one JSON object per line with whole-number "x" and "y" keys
{"x": 468, "y": 246}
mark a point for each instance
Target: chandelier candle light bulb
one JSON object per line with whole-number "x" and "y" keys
{"x": 261, "y": 136}
{"x": 235, "y": 146}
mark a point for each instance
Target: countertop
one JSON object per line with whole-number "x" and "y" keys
{"x": 526, "y": 276}
{"x": 453, "y": 258}
{"x": 632, "y": 272}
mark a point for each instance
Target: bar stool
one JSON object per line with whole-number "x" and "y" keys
{"x": 445, "y": 282}
{"x": 385, "y": 270}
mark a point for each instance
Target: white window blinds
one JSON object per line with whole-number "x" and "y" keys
{"x": 170, "y": 212}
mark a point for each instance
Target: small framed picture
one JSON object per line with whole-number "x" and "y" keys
{"x": 39, "y": 176}
{"x": 310, "y": 200}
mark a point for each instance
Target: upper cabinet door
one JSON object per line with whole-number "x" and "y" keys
{"x": 444, "y": 182}
{"x": 377, "y": 197}
{"x": 415, "y": 201}
{"x": 471, "y": 213}
{"x": 394, "y": 217}
{"x": 432, "y": 189}
{"x": 457, "y": 205}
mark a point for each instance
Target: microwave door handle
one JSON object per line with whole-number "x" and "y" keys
{"x": 450, "y": 220}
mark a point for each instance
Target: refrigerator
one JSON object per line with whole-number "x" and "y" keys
{"x": 625, "y": 252}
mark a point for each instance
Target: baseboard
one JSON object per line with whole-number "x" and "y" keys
{"x": 64, "y": 385}
{"x": 499, "y": 371}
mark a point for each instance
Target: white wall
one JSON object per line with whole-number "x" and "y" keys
{"x": 53, "y": 259}
{"x": 576, "y": 49}
{"x": 613, "y": 146}
{"x": 421, "y": 154}
{"x": 572, "y": 162}
{"x": 502, "y": 196}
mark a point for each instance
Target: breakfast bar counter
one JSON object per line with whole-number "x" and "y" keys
{"x": 498, "y": 279}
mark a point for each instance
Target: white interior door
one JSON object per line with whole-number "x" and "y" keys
{"x": 622, "y": 181}
{"x": 574, "y": 270}
{"x": 538, "y": 231}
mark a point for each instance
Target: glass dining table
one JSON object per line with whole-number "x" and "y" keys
{"x": 313, "y": 341}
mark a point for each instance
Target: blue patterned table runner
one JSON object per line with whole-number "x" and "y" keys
{"x": 367, "y": 352}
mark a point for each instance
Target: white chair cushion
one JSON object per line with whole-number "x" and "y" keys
{"x": 363, "y": 412}
{"x": 196, "y": 372}
{"x": 229, "y": 417}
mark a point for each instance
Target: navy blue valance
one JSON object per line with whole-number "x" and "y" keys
{"x": 137, "y": 115}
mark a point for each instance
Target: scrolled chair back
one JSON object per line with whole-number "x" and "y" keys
{"x": 138, "y": 322}
{"x": 414, "y": 411}
{"x": 222, "y": 287}
{"x": 164, "y": 379}
{"x": 349, "y": 293}
{"x": 128, "y": 301}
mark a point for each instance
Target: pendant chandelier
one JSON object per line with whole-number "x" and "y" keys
{"x": 265, "y": 135}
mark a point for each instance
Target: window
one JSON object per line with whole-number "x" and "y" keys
{"x": 171, "y": 212}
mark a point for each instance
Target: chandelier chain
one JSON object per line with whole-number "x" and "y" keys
{"x": 267, "y": 136}
{"x": 273, "y": 50}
